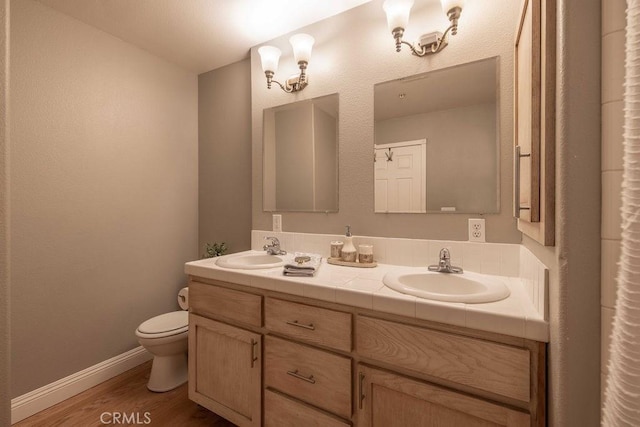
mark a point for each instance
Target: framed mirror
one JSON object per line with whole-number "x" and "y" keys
{"x": 437, "y": 141}
{"x": 300, "y": 144}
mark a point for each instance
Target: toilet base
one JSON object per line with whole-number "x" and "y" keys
{"x": 168, "y": 372}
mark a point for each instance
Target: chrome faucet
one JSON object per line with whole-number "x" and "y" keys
{"x": 444, "y": 265}
{"x": 273, "y": 248}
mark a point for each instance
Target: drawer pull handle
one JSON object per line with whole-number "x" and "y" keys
{"x": 361, "y": 388}
{"x": 254, "y": 357}
{"x": 295, "y": 374}
{"x": 310, "y": 326}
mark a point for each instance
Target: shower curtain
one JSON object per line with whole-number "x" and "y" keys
{"x": 622, "y": 395}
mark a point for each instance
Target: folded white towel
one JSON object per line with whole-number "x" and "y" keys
{"x": 304, "y": 265}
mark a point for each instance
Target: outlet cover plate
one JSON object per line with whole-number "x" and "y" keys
{"x": 477, "y": 230}
{"x": 276, "y": 223}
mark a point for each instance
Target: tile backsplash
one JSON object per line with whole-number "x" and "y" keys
{"x": 501, "y": 259}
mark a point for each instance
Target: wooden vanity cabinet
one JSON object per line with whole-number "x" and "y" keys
{"x": 262, "y": 358}
{"x": 300, "y": 371}
{"x": 225, "y": 361}
{"x": 492, "y": 370}
{"x": 225, "y": 370}
{"x": 483, "y": 365}
{"x": 392, "y": 400}
{"x": 282, "y": 411}
{"x": 306, "y": 323}
{"x": 314, "y": 376}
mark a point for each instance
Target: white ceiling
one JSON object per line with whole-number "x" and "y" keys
{"x": 200, "y": 35}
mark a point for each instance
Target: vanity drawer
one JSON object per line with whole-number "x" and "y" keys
{"x": 216, "y": 301}
{"x": 497, "y": 368}
{"x": 280, "y": 411}
{"x": 314, "y": 325}
{"x": 311, "y": 375}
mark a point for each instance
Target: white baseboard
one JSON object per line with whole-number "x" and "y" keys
{"x": 37, "y": 400}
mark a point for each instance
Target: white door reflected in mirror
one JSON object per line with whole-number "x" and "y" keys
{"x": 400, "y": 177}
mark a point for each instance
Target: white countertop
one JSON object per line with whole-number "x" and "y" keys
{"x": 363, "y": 287}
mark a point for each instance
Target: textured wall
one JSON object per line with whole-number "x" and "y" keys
{"x": 103, "y": 192}
{"x": 353, "y": 52}
{"x": 613, "y": 42}
{"x": 574, "y": 263}
{"x": 224, "y": 156}
{"x": 5, "y": 410}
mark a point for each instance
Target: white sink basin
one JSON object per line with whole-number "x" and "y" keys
{"x": 466, "y": 287}
{"x": 251, "y": 261}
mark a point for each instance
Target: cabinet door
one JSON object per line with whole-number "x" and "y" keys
{"x": 225, "y": 370}
{"x": 391, "y": 400}
{"x": 534, "y": 121}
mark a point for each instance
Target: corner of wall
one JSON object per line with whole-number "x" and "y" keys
{"x": 574, "y": 304}
{"x": 224, "y": 145}
{"x": 5, "y": 342}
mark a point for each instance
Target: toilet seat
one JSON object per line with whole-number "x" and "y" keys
{"x": 164, "y": 325}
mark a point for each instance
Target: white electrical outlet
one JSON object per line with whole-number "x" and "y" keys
{"x": 476, "y": 230}
{"x": 276, "y": 223}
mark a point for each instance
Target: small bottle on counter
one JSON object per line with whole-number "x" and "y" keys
{"x": 365, "y": 256}
{"x": 336, "y": 249}
{"x": 349, "y": 253}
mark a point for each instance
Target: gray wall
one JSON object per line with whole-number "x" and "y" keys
{"x": 5, "y": 343}
{"x": 224, "y": 156}
{"x": 294, "y": 158}
{"x": 574, "y": 294}
{"x": 325, "y": 157}
{"x": 103, "y": 192}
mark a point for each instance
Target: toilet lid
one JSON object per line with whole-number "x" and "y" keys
{"x": 165, "y": 323}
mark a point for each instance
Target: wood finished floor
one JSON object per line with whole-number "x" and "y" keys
{"x": 127, "y": 393}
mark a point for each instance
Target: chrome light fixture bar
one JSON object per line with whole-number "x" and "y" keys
{"x": 398, "y": 17}
{"x": 270, "y": 55}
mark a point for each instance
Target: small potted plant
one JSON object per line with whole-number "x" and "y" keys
{"x": 214, "y": 249}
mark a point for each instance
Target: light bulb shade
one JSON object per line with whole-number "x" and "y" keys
{"x": 302, "y": 44}
{"x": 397, "y": 13}
{"x": 269, "y": 55}
{"x": 447, "y": 5}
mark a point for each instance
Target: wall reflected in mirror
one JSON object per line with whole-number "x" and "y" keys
{"x": 437, "y": 141}
{"x": 300, "y": 143}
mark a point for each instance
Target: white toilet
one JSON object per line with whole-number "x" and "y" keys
{"x": 165, "y": 336}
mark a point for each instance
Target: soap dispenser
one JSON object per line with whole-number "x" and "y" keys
{"x": 349, "y": 253}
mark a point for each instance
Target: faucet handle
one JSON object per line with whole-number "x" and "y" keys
{"x": 445, "y": 254}
{"x": 273, "y": 248}
{"x": 274, "y": 240}
{"x": 273, "y": 245}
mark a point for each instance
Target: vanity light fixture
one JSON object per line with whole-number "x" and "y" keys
{"x": 398, "y": 17}
{"x": 269, "y": 55}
